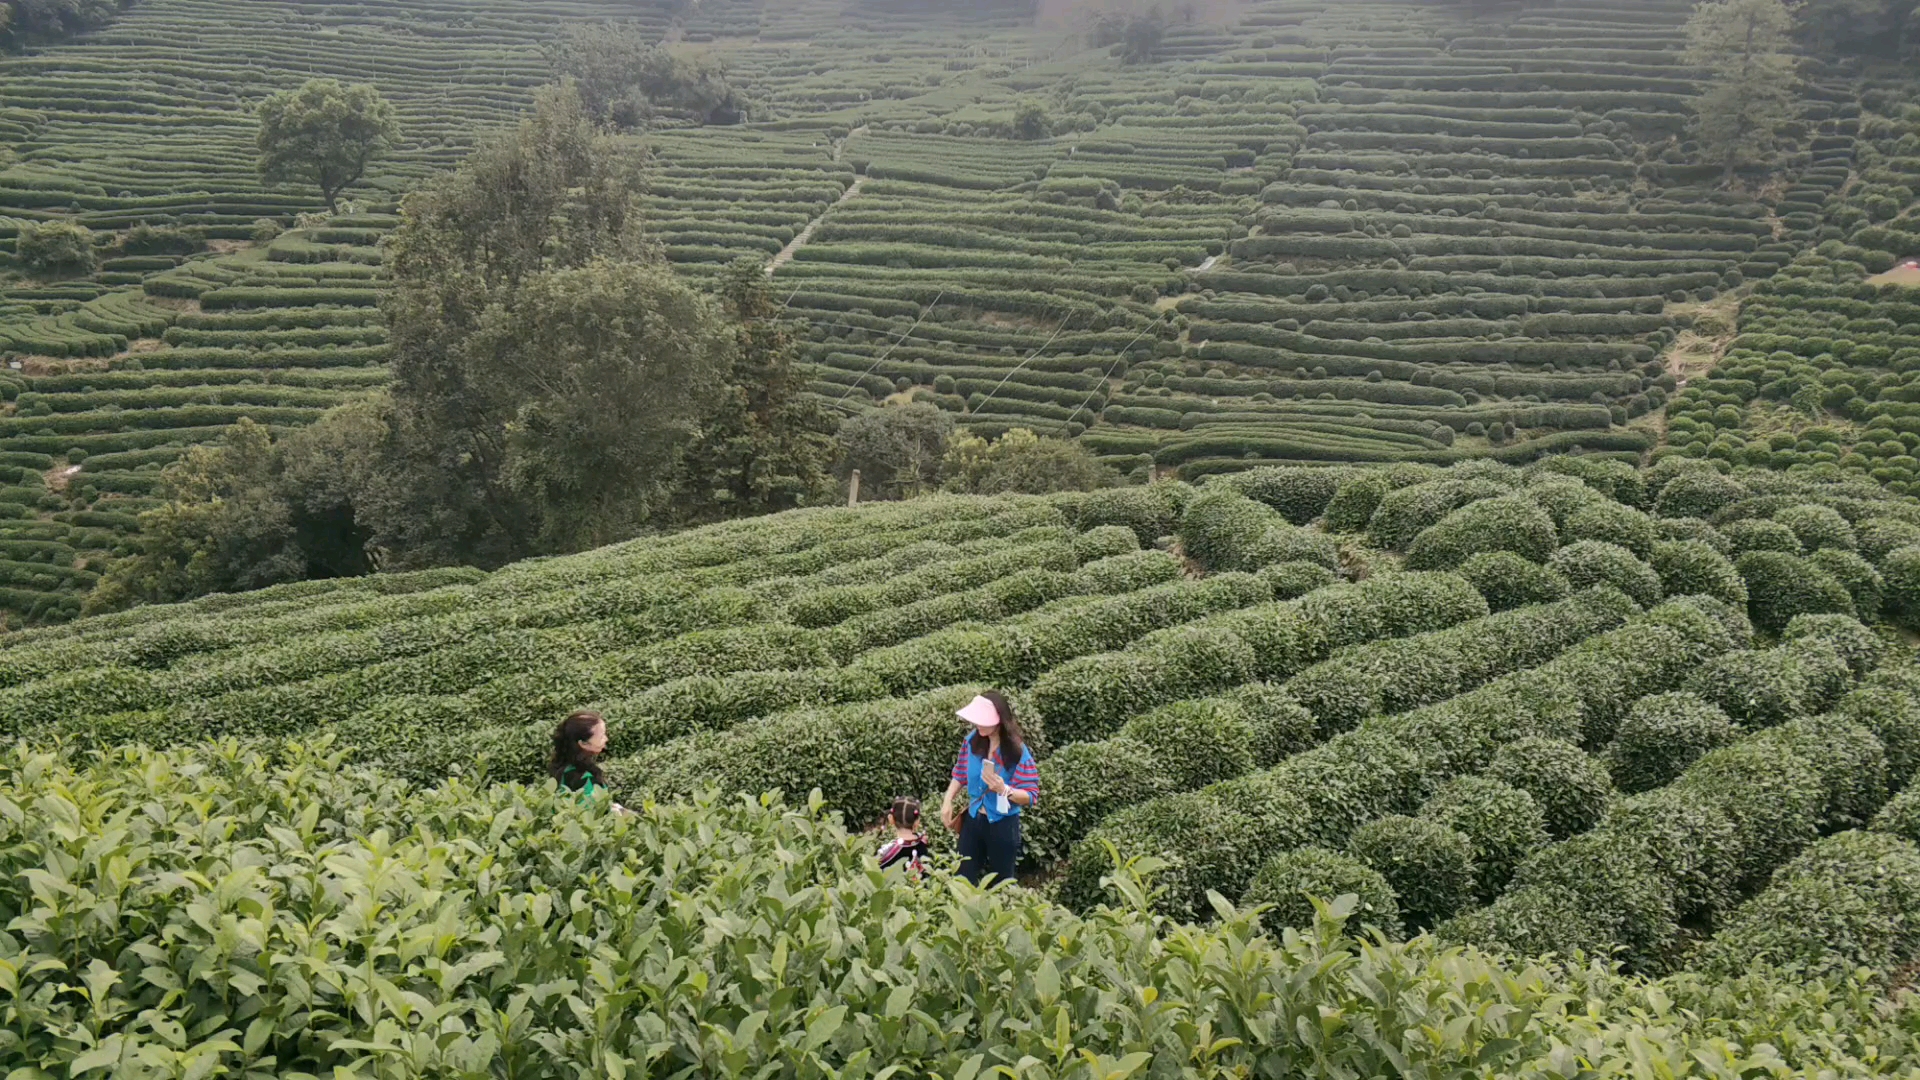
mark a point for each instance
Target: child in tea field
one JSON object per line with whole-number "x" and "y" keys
{"x": 996, "y": 772}
{"x": 578, "y": 742}
{"x": 907, "y": 849}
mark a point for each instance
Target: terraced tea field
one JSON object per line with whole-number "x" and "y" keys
{"x": 1364, "y": 232}
{"x": 1816, "y": 369}
{"x": 1558, "y": 676}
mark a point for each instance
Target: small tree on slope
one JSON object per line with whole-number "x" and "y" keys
{"x": 1742, "y": 46}
{"x": 325, "y": 134}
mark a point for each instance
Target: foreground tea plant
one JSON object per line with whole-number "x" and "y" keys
{"x": 273, "y": 913}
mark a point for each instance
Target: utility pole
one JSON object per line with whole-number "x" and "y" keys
{"x": 853, "y": 488}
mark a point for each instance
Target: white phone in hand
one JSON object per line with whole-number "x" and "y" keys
{"x": 1000, "y": 803}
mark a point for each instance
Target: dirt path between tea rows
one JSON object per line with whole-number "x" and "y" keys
{"x": 786, "y": 253}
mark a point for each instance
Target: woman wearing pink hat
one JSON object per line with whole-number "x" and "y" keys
{"x": 996, "y": 771}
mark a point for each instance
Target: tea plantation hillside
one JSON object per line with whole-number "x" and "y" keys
{"x": 1468, "y": 695}
{"x": 501, "y": 932}
{"x": 1817, "y": 370}
{"x": 1379, "y": 231}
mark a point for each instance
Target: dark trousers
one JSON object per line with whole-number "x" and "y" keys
{"x": 989, "y": 847}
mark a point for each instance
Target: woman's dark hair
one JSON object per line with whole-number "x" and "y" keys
{"x": 905, "y": 812}
{"x": 1012, "y": 743}
{"x": 569, "y": 761}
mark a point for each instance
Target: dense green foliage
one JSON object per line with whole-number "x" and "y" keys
{"x": 34, "y": 22}
{"x": 1216, "y": 713}
{"x": 627, "y": 80}
{"x": 1575, "y": 775}
{"x": 1743, "y": 45}
{"x": 1451, "y": 458}
{"x": 542, "y": 938}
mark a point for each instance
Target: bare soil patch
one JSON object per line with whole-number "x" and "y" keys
{"x": 60, "y": 476}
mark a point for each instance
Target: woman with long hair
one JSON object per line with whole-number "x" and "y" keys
{"x": 996, "y": 774}
{"x": 578, "y": 742}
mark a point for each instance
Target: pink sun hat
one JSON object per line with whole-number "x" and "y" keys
{"x": 980, "y": 713}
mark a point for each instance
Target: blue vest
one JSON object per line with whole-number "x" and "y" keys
{"x": 982, "y": 799}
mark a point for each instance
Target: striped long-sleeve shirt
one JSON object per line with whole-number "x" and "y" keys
{"x": 982, "y": 799}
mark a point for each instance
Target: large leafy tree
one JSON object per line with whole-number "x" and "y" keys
{"x": 224, "y": 527}
{"x": 626, "y": 80}
{"x": 898, "y": 449}
{"x": 30, "y": 22}
{"x": 767, "y": 445}
{"x": 1742, "y": 45}
{"x": 324, "y": 134}
{"x": 548, "y": 368}
{"x": 1135, "y": 35}
{"x": 252, "y": 511}
{"x": 1882, "y": 28}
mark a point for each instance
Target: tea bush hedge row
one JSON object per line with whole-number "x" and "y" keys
{"x": 1282, "y": 719}
{"x": 1849, "y": 901}
{"x": 1379, "y": 769}
{"x": 1178, "y": 711}
{"x": 1773, "y": 792}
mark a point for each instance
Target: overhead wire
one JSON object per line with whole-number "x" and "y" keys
{"x": 1117, "y": 357}
{"x": 1023, "y": 363}
{"x": 876, "y": 364}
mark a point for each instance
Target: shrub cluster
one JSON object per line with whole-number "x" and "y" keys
{"x": 1091, "y": 697}
{"x": 1687, "y": 850}
{"x": 1217, "y": 837}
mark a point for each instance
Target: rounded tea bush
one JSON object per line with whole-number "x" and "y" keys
{"x": 1354, "y": 502}
{"x": 1281, "y": 727}
{"x": 1780, "y": 586}
{"x": 1900, "y": 573}
{"x": 1663, "y": 734}
{"x": 1287, "y": 544}
{"x": 1851, "y": 762}
{"x": 1102, "y": 541}
{"x": 1820, "y": 663}
{"x": 1406, "y": 512}
{"x": 1754, "y": 534}
{"x": 1856, "y": 575}
{"x": 1512, "y": 523}
{"x": 1756, "y": 688}
{"x": 1562, "y": 497}
{"x": 1592, "y": 562}
{"x": 1697, "y": 493}
{"x": 1571, "y": 786}
{"x": 1428, "y": 866}
{"x": 1848, "y": 902}
{"x": 1301, "y": 493}
{"x": 1287, "y": 881}
{"x": 1696, "y": 568}
{"x": 1503, "y": 823}
{"x": 1292, "y": 580}
{"x": 1614, "y": 524}
{"x": 1196, "y": 742}
{"x": 1616, "y": 880}
{"x": 1881, "y": 535}
{"x": 1683, "y": 529}
{"x": 1893, "y": 715}
{"x": 1818, "y": 527}
{"x": 1509, "y": 581}
{"x": 1773, "y": 796}
{"x": 1084, "y": 783}
{"x": 1901, "y": 816}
